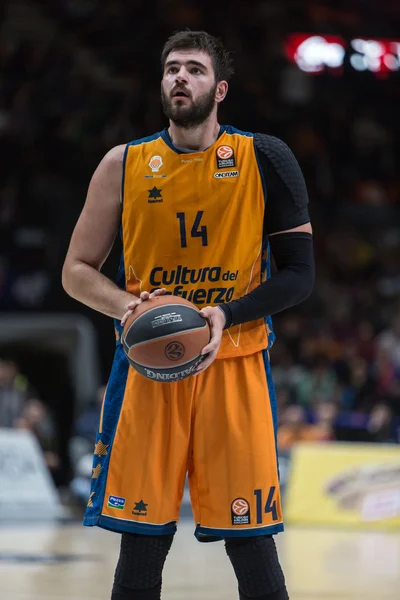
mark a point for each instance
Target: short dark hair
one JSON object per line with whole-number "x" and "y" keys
{"x": 205, "y": 42}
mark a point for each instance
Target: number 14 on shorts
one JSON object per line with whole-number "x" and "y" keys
{"x": 269, "y": 507}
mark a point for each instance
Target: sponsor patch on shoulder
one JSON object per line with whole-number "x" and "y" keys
{"x": 225, "y": 157}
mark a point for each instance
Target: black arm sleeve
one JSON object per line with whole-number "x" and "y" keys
{"x": 293, "y": 283}
{"x": 287, "y": 199}
{"x": 286, "y": 208}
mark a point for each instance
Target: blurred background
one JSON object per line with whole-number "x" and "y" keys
{"x": 80, "y": 76}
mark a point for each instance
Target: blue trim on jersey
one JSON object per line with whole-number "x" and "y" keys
{"x": 168, "y": 141}
{"x": 111, "y": 412}
{"x": 266, "y": 269}
{"x": 123, "y": 175}
{"x": 263, "y": 182}
{"x": 120, "y": 526}
{"x": 121, "y": 283}
{"x": 232, "y": 130}
{"x": 273, "y": 400}
{"x": 166, "y": 137}
{"x": 145, "y": 140}
{"x": 268, "y": 319}
{"x": 208, "y": 534}
{"x": 121, "y": 269}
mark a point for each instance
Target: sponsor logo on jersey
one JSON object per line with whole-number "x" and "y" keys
{"x": 186, "y": 283}
{"x": 186, "y": 161}
{"x": 225, "y": 157}
{"x": 226, "y": 174}
{"x": 155, "y": 196}
{"x": 116, "y": 502}
{"x": 140, "y": 509}
{"x": 155, "y": 163}
{"x": 240, "y": 512}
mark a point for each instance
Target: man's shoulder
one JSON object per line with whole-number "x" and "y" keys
{"x": 268, "y": 142}
{"x": 146, "y": 140}
{"x": 268, "y": 145}
{"x": 116, "y": 154}
{"x": 231, "y": 130}
{"x": 274, "y": 150}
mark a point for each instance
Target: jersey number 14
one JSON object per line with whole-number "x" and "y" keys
{"x": 196, "y": 231}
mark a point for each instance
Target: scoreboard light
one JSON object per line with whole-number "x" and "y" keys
{"x": 315, "y": 54}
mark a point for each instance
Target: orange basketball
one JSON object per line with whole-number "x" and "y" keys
{"x": 163, "y": 338}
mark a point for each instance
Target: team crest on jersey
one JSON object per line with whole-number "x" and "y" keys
{"x": 225, "y": 157}
{"x": 155, "y": 163}
{"x": 240, "y": 512}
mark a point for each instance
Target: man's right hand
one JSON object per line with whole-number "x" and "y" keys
{"x": 142, "y": 298}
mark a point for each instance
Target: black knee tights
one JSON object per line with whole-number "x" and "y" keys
{"x": 138, "y": 574}
{"x": 256, "y": 565}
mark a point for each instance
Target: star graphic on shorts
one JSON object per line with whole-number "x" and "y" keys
{"x": 96, "y": 472}
{"x": 154, "y": 193}
{"x": 101, "y": 448}
{"x": 140, "y": 506}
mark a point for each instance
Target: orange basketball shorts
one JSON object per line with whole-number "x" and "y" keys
{"x": 218, "y": 427}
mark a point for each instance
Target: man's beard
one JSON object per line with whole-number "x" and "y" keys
{"x": 192, "y": 115}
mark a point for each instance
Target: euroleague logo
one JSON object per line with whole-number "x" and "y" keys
{"x": 240, "y": 506}
{"x": 240, "y": 512}
{"x": 225, "y": 157}
{"x": 224, "y": 152}
{"x": 174, "y": 350}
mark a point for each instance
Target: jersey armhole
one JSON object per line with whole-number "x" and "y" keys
{"x": 123, "y": 175}
{"x": 260, "y": 168}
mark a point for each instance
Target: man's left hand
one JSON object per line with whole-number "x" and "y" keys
{"x": 216, "y": 319}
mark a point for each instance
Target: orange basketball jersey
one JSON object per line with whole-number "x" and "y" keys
{"x": 193, "y": 223}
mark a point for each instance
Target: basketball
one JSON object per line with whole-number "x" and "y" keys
{"x": 163, "y": 338}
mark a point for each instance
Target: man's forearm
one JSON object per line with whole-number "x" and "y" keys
{"x": 291, "y": 285}
{"x": 87, "y": 285}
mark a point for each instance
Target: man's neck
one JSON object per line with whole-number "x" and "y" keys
{"x": 197, "y": 139}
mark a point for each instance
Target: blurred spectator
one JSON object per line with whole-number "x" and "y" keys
{"x": 360, "y": 391}
{"x": 13, "y": 393}
{"x": 36, "y": 418}
{"x": 295, "y": 428}
{"x": 317, "y": 384}
{"x": 21, "y": 409}
{"x": 388, "y": 343}
{"x": 381, "y": 424}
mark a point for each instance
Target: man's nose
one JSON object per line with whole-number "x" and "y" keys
{"x": 182, "y": 75}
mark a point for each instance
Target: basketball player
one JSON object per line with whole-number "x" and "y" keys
{"x": 199, "y": 206}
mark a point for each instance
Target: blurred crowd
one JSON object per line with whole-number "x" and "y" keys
{"x": 90, "y": 80}
{"x": 21, "y": 408}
